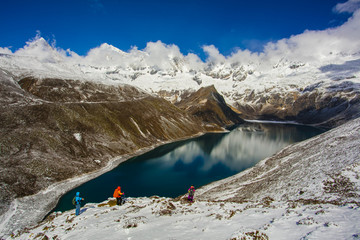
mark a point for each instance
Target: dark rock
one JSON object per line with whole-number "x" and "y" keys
{"x": 327, "y": 109}
{"x": 209, "y": 106}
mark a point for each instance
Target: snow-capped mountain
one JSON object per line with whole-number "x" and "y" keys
{"x": 261, "y": 86}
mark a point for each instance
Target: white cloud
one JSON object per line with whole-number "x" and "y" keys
{"x": 45, "y": 52}
{"x": 156, "y": 54}
{"x": 349, "y": 6}
{"x": 194, "y": 62}
{"x": 104, "y": 55}
{"x": 310, "y": 46}
{"x": 161, "y": 55}
{"x": 5, "y": 50}
{"x": 40, "y": 48}
{"x": 213, "y": 54}
{"x": 244, "y": 57}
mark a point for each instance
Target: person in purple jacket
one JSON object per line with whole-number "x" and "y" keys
{"x": 191, "y": 193}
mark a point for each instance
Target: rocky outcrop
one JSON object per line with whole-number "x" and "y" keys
{"x": 330, "y": 108}
{"x": 74, "y": 91}
{"x": 210, "y": 107}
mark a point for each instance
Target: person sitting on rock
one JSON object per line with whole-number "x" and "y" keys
{"x": 191, "y": 193}
{"x": 117, "y": 195}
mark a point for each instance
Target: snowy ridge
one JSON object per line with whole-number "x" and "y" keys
{"x": 257, "y": 86}
{"x": 312, "y": 60}
{"x": 233, "y": 81}
{"x": 302, "y": 171}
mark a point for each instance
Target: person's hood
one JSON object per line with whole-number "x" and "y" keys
{"x": 77, "y": 194}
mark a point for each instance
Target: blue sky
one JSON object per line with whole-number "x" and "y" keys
{"x": 80, "y": 25}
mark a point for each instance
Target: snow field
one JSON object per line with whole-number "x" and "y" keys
{"x": 164, "y": 218}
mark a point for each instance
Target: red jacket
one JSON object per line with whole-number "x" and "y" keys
{"x": 117, "y": 192}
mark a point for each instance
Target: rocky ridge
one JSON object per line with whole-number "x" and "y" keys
{"x": 322, "y": 92}
{"x": 210, "y": 107}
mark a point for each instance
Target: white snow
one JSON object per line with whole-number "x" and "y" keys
{"x": 77, "y": 136}
{"x": 137, "y": 127}
{"x": 163, "y": 218}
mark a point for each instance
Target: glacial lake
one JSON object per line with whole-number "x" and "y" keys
{"x": 171, "y": 169}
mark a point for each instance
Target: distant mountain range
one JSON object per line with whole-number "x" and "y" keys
{"x": 320, "y": 90}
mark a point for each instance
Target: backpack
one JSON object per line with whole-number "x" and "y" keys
{"x": 191, "y": 192}
{"x": 74, "y": 201}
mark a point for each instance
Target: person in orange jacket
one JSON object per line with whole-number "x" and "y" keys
{"x": 117, "y": 195}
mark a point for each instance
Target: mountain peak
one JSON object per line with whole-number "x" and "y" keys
{"x": 106, "y": 46}
{"x": 209, "y": 106}
{"x": 39, "y": 42}
{"x": 40, "y": 49}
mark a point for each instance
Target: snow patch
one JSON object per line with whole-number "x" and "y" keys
{"x": 78, "y": 136}
{"x": 138, "y": 128}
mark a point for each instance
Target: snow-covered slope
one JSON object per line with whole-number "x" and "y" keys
{"x": 161, "y": 218}
{"x": 310, "y": 190}
{"x": 323, "y": 169}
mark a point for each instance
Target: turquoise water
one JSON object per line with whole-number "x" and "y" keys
{"x": 169, "y": 170}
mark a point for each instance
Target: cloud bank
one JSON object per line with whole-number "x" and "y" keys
{"x": 5, "y": 50}
{"x": 349, "y": 6}
{"x": 310, "y": 46}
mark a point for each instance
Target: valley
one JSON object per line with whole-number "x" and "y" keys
{"x": 65, "y": 121}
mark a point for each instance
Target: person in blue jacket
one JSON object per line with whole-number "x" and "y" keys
{"x": 78, "y": 200}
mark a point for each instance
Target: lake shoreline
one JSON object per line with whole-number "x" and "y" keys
{"x": 28, "y": 211}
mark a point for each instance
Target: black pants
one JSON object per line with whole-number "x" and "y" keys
{"x": 118, "y": 201}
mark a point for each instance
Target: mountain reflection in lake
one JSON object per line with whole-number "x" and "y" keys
{"x": 170, "y": 169}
